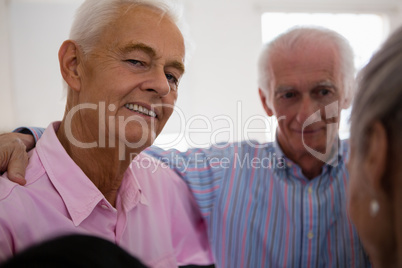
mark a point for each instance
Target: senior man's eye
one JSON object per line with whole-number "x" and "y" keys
{"x": 172, "y": 79}
{"x": 324, "y": 92}
{"x": 288, "y": 95}
{"x": 135, "y": 62}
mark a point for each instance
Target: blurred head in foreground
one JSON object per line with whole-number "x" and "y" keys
{"x": 375, "y": 196}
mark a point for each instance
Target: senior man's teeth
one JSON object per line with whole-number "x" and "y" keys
{"x": 140, "y": 109}
{"x": 151, "y": 113}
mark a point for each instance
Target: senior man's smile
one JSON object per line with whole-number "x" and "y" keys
{"x": 141, "y": 109}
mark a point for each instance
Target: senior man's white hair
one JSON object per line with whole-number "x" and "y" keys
{"x": 298, "y": 35}
{"x": 94, "y": 15}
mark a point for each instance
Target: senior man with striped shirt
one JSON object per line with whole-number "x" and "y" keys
{"x": 281, "y": 204}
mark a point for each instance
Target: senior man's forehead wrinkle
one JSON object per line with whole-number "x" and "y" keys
{"x": 324, "y": 83}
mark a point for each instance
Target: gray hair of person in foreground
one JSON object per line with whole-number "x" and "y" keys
{"x": 379, "y": 97}
{"x": 313, "y": 35}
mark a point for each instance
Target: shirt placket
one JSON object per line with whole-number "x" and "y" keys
{"x": 310, "y": 225}
{"x": 108, "y": 218}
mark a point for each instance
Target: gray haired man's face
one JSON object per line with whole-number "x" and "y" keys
{"x": 306, "y": 97}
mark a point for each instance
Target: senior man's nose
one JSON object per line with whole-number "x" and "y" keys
{"x": 156, "y": 81}
{"x": 307, "y": 107}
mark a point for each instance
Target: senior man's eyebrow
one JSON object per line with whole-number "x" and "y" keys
{"x": 326, "y": 83}
{"x": 138, "y": 46}
{"x": 177, "y": 65}
{"x": 152, "y": 53}
{"x": 282, "y": 89}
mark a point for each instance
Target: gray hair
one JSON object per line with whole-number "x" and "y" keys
{"x": 298, "y": 35}
{"x": 379, "y": 96}
{"x": 94, "y": 15}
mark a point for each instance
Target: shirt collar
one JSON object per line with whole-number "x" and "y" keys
{"x": 130, "y": 190}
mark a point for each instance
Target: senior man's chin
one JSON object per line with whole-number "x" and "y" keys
{"x": 316, "y": 143}
{"x": 138, "y": 136}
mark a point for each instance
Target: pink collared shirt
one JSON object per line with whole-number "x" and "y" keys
{"x": 156, "y": 218}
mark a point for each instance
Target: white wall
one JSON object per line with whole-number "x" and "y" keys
{"x": 222, "y": 74}
{"x": 220, "y": 78}
{"x": 36, "y": 29}
{"x": 7, "y": 111}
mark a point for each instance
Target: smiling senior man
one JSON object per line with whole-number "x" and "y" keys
{"x": 122, "y": 55}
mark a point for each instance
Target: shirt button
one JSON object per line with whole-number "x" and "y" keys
{"x": 310, "y": 235}
{"x": 310, "y": 190}
{"x": 105, "y": 206}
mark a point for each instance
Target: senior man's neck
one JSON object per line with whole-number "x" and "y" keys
{"x": 103, "y": 166}
{"x": 310, "y": 165}
{"x": 311, "y": 159}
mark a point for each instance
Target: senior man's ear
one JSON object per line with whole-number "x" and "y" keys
{"x": 69, "y": 59}
{"x": 264, "y": 100}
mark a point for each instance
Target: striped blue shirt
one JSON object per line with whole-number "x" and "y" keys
{"x": 261, "y": 211}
